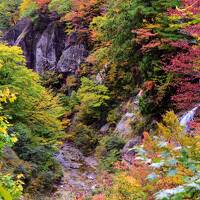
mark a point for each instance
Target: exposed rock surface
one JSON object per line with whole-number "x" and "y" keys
{"x": 26, "y": 42}
{"x": 130, "y": 117}
{"x": 71, "y": 58}
{"x": 104, "y": 129}
{"x": 127, "y": 125}
{"x": 79, "y": 174}
{"x": 128, "y": 152}
{"x": 124, "y": 125}
{"x": 46, "y": 46}
{"x": 45, "y": 57}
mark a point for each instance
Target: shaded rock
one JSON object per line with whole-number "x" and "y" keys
{"x": 127, "y": 152}
{"x": 124, "y": 126}
{"x": 48, "y": 49}
{"x": 45, "y": 50}
{"x": 70, "y": 157}
{"x": 71, "y": 58}
{"x": 46, "y": 46}
{"x": 12, "y": 35}
{"x": 101, "y": 75}
{"x": 91, "y": 161}
{"x": 104, "y": 129}
{"x": 22, "y": 35}
{"x": 41, "y": 42}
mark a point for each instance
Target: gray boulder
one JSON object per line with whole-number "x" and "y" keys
{"x": 104, "y": 129}
{"x": 127, "y": 152}
{"x": 71, "y": 58}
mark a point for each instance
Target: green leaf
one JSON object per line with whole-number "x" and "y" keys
{"x": 5, "y": 194}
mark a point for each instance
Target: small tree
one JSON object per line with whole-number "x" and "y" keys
{"x": 94, "y": 99}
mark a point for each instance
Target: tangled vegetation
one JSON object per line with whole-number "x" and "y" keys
{"x": 142, "y": 72}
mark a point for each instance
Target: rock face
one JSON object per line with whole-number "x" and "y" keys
{"x": 124, "y": 126}
{"x": 130, "y": 117}
{"x": 45, "y": 56}
{"x": 127, "y": 152}
{"x": 26, "y": 42}
{"x": 71, "y": 58}
{"x": 46, "y": 46}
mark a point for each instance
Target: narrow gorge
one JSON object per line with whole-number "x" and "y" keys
{"x": 99, "y": 100}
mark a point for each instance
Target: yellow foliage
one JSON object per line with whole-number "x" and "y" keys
{"x": 169, "y": 182}
{"x": 126, "y": 187}
{"x": 25, "y": 5}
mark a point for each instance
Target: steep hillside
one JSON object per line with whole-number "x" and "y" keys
{"x": 99, "y": 99}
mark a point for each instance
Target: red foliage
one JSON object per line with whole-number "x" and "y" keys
{"x": 149, "y": 85}
{"x": 188, "y": 6}
{"x": 140, "y": 172}
{"x": 185, "y": 65}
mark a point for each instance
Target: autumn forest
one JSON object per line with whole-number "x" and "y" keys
{"x": 99, "y": 99}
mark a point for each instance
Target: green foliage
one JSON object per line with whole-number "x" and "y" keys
{"x": 6, "y": 195}
{"x": 114, "y": 116}
{"x": 35, "y": 107}
{"x": 60, "y": 6}
{"x": 28, "y": 8}
{"x": 35, "y": 114}
{"x": 9, "y": 188}
{"x": 94, "y": 100}
{"x": 156, "y": 101}
{"x": 108, "y": 151}
{"x": 125, "y": 47}
{"x": 174, "y": 160}
{"x": 6, "y": 139}
{"x": 85, "y": 138}
{"x": 8, "y": 13}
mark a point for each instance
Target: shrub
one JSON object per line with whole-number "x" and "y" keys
{"x": 125, "y": 187}
{"x": 13, "y": 187}
{"x": 9, "y": 186}
{"x": 35, "y": 114}
{"x": 8, "y": 13}
{"x": 35, "y": 107}
{"x": 94, "y": 101}
{"x": 85, "y": 138}
{"x": 28, "y": 8}
{"x": 108, "y": 151}
{"x": 60, "y": 6}
{"x": 114, "y": 116}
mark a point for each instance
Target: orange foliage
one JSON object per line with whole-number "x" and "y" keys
{"x": 42, "y": 2}
{"x": 80, "y": 9}
{"x": 149, "y": 85}
{"x": 121, "y": 165}
{"x": 139, "y": 171}
{"x": 147, "y": 141}
{"x": 99, "y": 197}
{"x": 168, "y": 182}
{"x": 81, "y": 15}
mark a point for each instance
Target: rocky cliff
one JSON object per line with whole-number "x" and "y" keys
{"x": 46, "y": 45}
